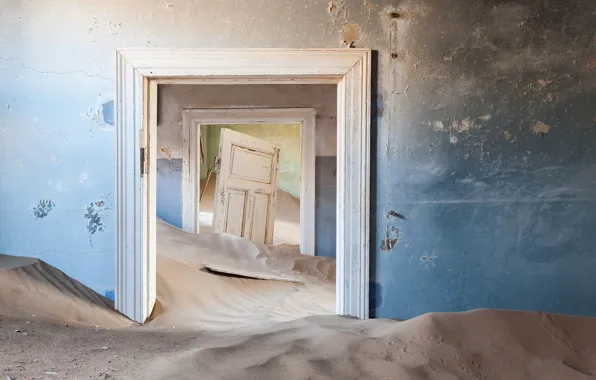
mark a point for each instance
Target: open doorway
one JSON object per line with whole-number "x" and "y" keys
{"x": 294, "y": 130}
{"x": 285, "y": 203}
{"x": 243, "y": 173}
{"x": 140, "y": 72}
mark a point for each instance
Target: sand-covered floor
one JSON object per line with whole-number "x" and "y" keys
{"x": 256, "y": 324}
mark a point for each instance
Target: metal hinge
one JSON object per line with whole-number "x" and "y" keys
{"x": 142, "y": 161}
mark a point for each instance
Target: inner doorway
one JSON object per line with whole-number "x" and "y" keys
{"x": 292, "y": 127}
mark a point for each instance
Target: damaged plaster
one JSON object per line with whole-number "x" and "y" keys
{"x": 350, "y": 34}
{"x": 43, "y": 208}
{"x": 540, "y": 128}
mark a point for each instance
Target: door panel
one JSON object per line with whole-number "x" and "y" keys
{"x": 246, "y": 192}
{"x": 235, "y": 212}
{"x": 258, "y": 205}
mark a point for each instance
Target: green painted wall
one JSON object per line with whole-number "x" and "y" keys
{"x": 287, "y": 136}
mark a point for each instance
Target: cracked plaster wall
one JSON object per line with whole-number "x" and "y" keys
{"x": 484, "y": 136}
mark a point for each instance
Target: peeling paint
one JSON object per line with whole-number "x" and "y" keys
{"x": 83, "y": 178}
{"x": 333, "y": 9}
{"x": 102, "y": 114}
{"x": 43, "y": 208}
{"x": 167, "y": 152}
{"x": 391, "y": 240}
{"x": 95, "y": 224}
{"x": 540, "y": 128}
{"x": 350, "y": 34}
{"x": 428, "y": 260}
{"x": 396, "y": 215}
{"x": 544, "y": 82}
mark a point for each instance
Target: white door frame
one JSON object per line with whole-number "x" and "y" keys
{"x": 137, "y": 75}
{"x": 193, "y": 118}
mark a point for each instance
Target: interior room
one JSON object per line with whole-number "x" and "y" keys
{"x": 441, "y": 225}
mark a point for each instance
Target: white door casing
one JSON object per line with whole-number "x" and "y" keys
{"x": 246, "y": 191}
{"x": 350, "y": 69}
{"x": 195, "y": 118}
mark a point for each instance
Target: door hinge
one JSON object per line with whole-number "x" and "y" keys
{"x": 142, "y": 161}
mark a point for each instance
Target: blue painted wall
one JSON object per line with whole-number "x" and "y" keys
{"x": 473, "y": 204}
{"x": 169, "y": 191}
{"x": 325, "y": 205}
{"x": 486, "y": 177}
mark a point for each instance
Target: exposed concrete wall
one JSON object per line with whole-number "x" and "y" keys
{"x": 174, "y": 98}
{"x": 499, "y": 213}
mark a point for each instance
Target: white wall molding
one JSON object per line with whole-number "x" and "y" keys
{"x": 139, "y": 71}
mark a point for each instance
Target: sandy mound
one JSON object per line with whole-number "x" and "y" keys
{"x": 190, "y": 295}
{"x": 476, "y": 345}
{"x": 287, "y": 214}
{"x": 483, "y": 344}
{"x": 227, "y": 330}
{"x": 30, "y": 288}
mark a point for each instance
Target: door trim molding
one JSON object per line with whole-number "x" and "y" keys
{"x": 138, "y": 71}
{"x": 193, "y": 118}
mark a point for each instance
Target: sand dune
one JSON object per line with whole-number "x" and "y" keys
{"x": 191, "y": 297}
{"x": 30, "y": 288}
{"x": 482, "y": 344}
{"x": 232, "y": 326}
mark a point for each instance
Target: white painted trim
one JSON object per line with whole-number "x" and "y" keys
{"x": 191, "y": 191}
{"x": 350, "y": 68}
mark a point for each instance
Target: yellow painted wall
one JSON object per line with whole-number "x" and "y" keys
{"x": 287, "y": 136}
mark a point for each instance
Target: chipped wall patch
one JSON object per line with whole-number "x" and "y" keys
{"x": 350, "y": 34}
{"x": 43, "y": 208}
{"x": 391, "y": 240}
{"x": 102, "y": 114}
{"x": 540, "y": 128}
{"x": 95, "y": 212}
{"x": 485, "y": 117}
{"x": 439, "y": 126}
{"x": 507, "y": 135}
{"x": 83, "y": 178}
{"x": 333, "y": 10}
{"x": 165, "y": 150}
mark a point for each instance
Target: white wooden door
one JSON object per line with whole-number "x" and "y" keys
{"x": 246, "y": 191}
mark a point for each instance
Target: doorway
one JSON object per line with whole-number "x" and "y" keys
{"x": 138, "y": 74}
{"x": 201, "y": 129}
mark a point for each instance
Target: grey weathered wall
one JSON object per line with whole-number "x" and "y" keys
{"x": 498, "y": 212}
{"x": 174, "y": 98}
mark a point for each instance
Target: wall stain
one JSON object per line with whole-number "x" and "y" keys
{"x": 43, "y": 208}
